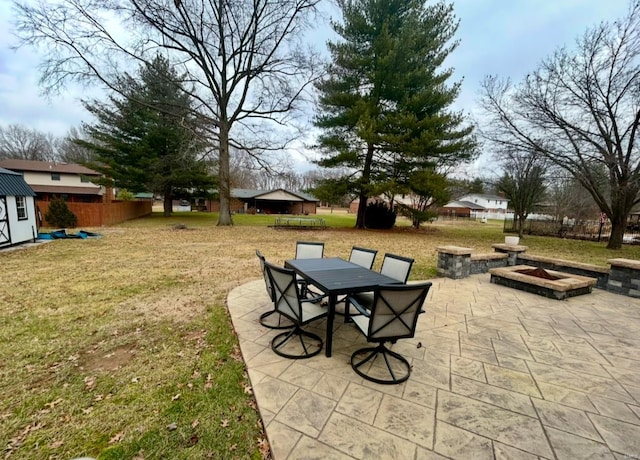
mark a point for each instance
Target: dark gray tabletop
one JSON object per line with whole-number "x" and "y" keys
{"x": 338, "y": 276}
{"x": 335, "y": 276}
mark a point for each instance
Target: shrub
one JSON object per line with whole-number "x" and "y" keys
{"x": 59, "y": 214}
{"x": 378, "y": 215}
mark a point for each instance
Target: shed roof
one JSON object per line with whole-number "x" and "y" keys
{"x": 13, "y": 184}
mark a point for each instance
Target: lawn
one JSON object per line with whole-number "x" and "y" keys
{"x": 121, "y": 347}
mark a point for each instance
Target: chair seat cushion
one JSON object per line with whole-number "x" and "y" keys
{"x": 312, "y": 310}
{"x": 362, "y": 322}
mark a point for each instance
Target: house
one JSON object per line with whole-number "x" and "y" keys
{"x": 18, "y": 222}
{"x": 71, "y": 182}
{"x": 479, "y": 205}
{"x": 92, "y": 204}
{"x": 277, "y": 201}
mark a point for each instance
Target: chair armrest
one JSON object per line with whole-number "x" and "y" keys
{"x": 315, "y": 298}
{"x": 361, "y": 309}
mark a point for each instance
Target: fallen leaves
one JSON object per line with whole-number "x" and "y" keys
{"x": 116, "y": 438}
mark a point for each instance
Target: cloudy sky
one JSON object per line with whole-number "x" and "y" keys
{"x": 502, "y": 37}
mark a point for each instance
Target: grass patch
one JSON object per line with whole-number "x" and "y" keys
{"x": 121, "y": 347}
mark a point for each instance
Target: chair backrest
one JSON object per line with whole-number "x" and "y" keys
{"x": 363, "y": 256}
{"x": 396, "y": 267}
{"x": 267, "y": 282}
{"x": 286, "y": 296}
{"x": 395, "y": 310}
{"x": 309, "y": 249}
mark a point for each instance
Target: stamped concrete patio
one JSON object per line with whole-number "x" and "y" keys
{"x": 497, "y": 374}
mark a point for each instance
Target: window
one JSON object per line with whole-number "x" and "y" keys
{"x": 21, "y": 207}
{"x": 55, "y": 176}
{"x": 84, "y": 179}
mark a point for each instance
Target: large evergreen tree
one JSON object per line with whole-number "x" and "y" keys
{"x": 384, "y": 105}
{"x": 148, "y": 140}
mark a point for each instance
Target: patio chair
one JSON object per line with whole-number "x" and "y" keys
{"x": 271, "y": 319}
{"x": 308, "y": 250}
{"x": 300, "y": 310}
{"x": 394, "y": 266}
{"x": 392, "y": 315}
{"x": 363, "y": 256}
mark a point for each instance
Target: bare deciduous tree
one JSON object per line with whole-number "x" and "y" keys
{"x": 20, "y": 142}
{"x": 522, "y": 182}
{"x": 243, "y": 59}
{"x": 581, "y": 109}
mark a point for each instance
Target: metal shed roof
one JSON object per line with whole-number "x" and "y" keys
{"x": 13, "y": 184}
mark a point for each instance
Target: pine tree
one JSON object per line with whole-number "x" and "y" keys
{"x": 384, "y": 106}
{"x": 59, "y": 215}
{"x": 148, "y": 141}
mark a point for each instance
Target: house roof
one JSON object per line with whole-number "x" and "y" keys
{"x": 278, "y": 194}
{"x": 485, "y": 196}
{"x": 13, "y": 184}
{"x": 59, "y": 189}
{"x": 464, "y": 204}
{"x": 46, "y": 166}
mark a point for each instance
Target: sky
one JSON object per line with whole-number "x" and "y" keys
{"x": 507, "y": 38}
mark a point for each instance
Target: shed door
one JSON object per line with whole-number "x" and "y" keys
{"x": 4, "y": 222}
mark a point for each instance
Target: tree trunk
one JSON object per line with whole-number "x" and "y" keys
{"x": 224, "y": 188}
{"x": 364, "y": 187}
{"x": 167, "y": 203}
{"x": 622, "y": 201}
{"x": 617, "y": 234}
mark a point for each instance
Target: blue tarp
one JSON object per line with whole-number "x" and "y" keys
{"x": 62, "y": 234}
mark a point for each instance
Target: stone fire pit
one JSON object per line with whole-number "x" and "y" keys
{"x": 548, "y": 283}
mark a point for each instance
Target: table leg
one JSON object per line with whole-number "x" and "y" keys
{"x": 328, "y": 343}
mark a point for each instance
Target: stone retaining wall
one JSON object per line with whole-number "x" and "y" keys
{"x": 457, "y": 262}
{"x": 624, "y": 277}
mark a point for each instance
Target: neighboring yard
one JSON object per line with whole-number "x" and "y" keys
{"x": 121, "y": 347}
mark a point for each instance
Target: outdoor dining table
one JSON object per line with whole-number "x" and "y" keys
{"x": 335, "y": 276}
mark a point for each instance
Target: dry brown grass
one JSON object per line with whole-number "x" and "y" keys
{"x": 97, "y": 337}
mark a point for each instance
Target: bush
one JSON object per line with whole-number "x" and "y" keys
{"x": 378, "y": 215}
{"x": 59, "y": 214}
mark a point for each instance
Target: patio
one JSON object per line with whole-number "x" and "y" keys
{"x": 497, "y": 373}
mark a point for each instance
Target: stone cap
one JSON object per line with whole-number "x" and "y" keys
{"x": 490, "y": 256}
{"x": 565, "y": 263}
{"x": 509, "y": 247}
{"x": 625, "y": 263}
{"x": 454, "y": 250}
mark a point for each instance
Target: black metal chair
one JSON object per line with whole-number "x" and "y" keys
{"x": 308, "y": 250}
{"x": 394, "y": 266}
{"x": 392, "y": 315}
{"x": 301, "y": 311}
{"x": 363, "y": 256}
{"x": 271, "y": 319}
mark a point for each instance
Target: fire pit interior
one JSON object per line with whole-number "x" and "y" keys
{"x": 548, "y": 283}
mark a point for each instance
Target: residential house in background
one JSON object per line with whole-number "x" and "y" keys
{"x": 478, "y": 206}
{"x": 71, "y": 182}
{"x": 17, "y": 210}
{"x": 277, "y": 201}
{"x": 93, "y": 205}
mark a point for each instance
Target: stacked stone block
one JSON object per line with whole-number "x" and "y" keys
{"x": 454, "y": 262}
{"x": 624, "y": 277}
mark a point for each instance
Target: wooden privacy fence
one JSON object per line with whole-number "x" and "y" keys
{"x": 101, "y": 214}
